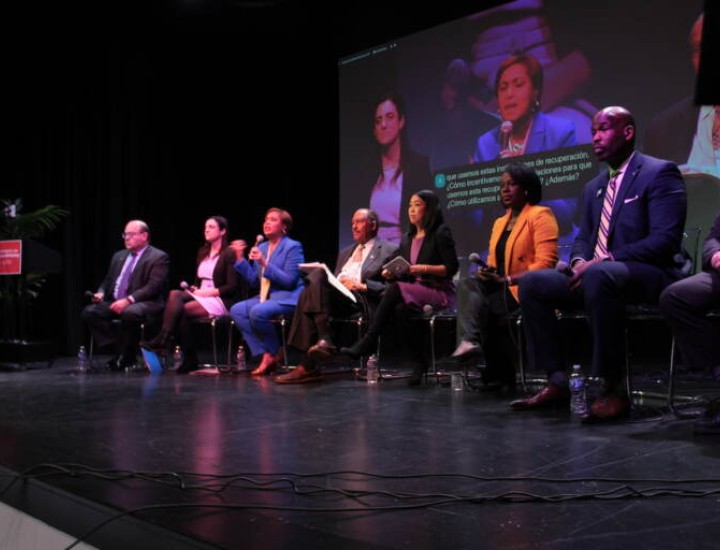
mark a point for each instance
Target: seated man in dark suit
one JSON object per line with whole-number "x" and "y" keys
{"x": 133, "y": 291}
{"x": 625, "y": 252}
{"x": 358, "y": 268}
{"x": 685, "y": 304}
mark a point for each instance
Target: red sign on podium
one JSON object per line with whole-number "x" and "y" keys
{"x": 11, "y": 257}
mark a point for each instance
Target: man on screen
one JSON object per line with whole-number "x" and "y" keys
{"x": 626, "y": 252}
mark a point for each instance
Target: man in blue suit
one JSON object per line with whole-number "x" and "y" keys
{"x": 626, "y": 252}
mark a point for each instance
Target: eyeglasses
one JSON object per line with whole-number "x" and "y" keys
{"x": 128, "y": 234}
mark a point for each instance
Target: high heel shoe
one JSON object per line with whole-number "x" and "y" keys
{"x": 268, "y": 365}
{"x": 417, "y": 374}
{"x": 362, "y": 347}
{"x": 162, "y": 341}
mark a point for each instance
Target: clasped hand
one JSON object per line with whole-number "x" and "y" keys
{"x": 489, "y": 275}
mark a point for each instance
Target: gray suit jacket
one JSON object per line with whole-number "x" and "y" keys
{"x": 381, "y": 252}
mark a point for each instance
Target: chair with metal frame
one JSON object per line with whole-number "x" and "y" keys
{"x": 214, "y": 322}
{"x": 649, "y": 312}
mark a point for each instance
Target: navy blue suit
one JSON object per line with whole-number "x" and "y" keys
{"x": 148, "y": 285}
{"x": 686, "y": 303}
{"x": 644, "y": 240}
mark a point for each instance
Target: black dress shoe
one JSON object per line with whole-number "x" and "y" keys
{"x": 118, "y": 364}
{"x": 417, "y": 375}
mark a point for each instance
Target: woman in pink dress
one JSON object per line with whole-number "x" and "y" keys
{"x": 215, "y": 289}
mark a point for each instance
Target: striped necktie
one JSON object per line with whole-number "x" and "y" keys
{"x": 601, "y": 250}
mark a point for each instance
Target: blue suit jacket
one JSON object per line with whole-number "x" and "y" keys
{"x": 282, "y": 270}
{"x": 648, "y": 214}
{"x": 547, "y": 132}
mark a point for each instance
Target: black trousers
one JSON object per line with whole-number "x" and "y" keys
{"x": 318, "y": 301}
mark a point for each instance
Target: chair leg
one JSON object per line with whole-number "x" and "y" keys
{"x": 213, "y": 333}
{"x": 231, "y": 328}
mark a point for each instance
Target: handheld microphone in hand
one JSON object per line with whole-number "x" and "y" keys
{"x": 259, "y": 239}
{"x": 476, "y": 259}
{"x": 184, "y": 285}
{"x": 564, "y": 267}
{"x": 506, "y": 129}
{"x": 88, "y": 294}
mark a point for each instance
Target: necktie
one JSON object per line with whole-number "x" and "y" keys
{"x": 358, "y": 254}
{"x": 124, "y": 284}
{"x": 601, "y": 250}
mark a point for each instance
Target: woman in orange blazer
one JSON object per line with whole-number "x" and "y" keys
{"x": 524, "y": 239}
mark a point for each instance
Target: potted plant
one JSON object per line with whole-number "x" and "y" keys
{"x": 18, "y": 292}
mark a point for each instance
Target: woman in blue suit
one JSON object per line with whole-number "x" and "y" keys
{"x": 272, "y": 267}
{"x": 524, "y": 129}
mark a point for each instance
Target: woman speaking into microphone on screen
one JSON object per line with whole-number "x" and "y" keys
{"x": 524, "y": 129}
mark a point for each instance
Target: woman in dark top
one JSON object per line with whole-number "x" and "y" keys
{"x": 214, "y": 291}
{"x": 429, "y": 247}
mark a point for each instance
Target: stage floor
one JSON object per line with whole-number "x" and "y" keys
{"x": 234, "y": 461}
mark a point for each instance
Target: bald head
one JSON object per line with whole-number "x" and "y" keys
{"x": 364, "y": 225}
{"x": 613, "y": 135}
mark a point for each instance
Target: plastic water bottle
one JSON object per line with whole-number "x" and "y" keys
{"x": 82, "y": 365}
{"x": 578, "y": 399}
{"x": 240, "y": 364}
{"x": 177, "y": 358}
{"x": 372, "y": 374}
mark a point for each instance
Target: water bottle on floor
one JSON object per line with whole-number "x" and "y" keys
{"x": 372, "y": 374}
{"x": 82, "y": 365}
{"x": 177, "y": 358}
{"x": 240, "y": 364}
{"x": 578, "y": 397}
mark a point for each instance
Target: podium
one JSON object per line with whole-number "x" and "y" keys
{"x": 24, "y": 263}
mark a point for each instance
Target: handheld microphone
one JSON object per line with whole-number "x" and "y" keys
{"x": 564, "y": 267}
{"x": 259, "y": 239}
{"x": 184, "y": 285}
{"x": 88, "y": 294}
{"x": 506, "y": 129}
{"x": 476, "y": 259}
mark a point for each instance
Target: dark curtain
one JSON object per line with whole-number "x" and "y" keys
{"x": 132, "y": 112}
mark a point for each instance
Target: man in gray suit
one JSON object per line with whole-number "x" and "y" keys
{"x": 132, "y": 292}
{"x": 358, "y": 268}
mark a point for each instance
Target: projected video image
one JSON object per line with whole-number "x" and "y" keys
{"x": 449, "y": 107}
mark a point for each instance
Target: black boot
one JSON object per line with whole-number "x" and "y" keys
{"x": 418, "y": 373}
{"x": 162, "y": 341}
{"x": 385, "y": 311}
{"x": 367, "y": 345}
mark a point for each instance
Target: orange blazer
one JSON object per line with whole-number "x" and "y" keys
{"x": 532, "y": 243}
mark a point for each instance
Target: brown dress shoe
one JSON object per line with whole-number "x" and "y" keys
{"x": 323, "y": 349}
{"x": 299, "y": 375}
{"x": 607, "y": 407}
{"x": 549, "y": 395}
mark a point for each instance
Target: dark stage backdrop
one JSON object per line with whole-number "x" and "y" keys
{"x": 168, "y": 112}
